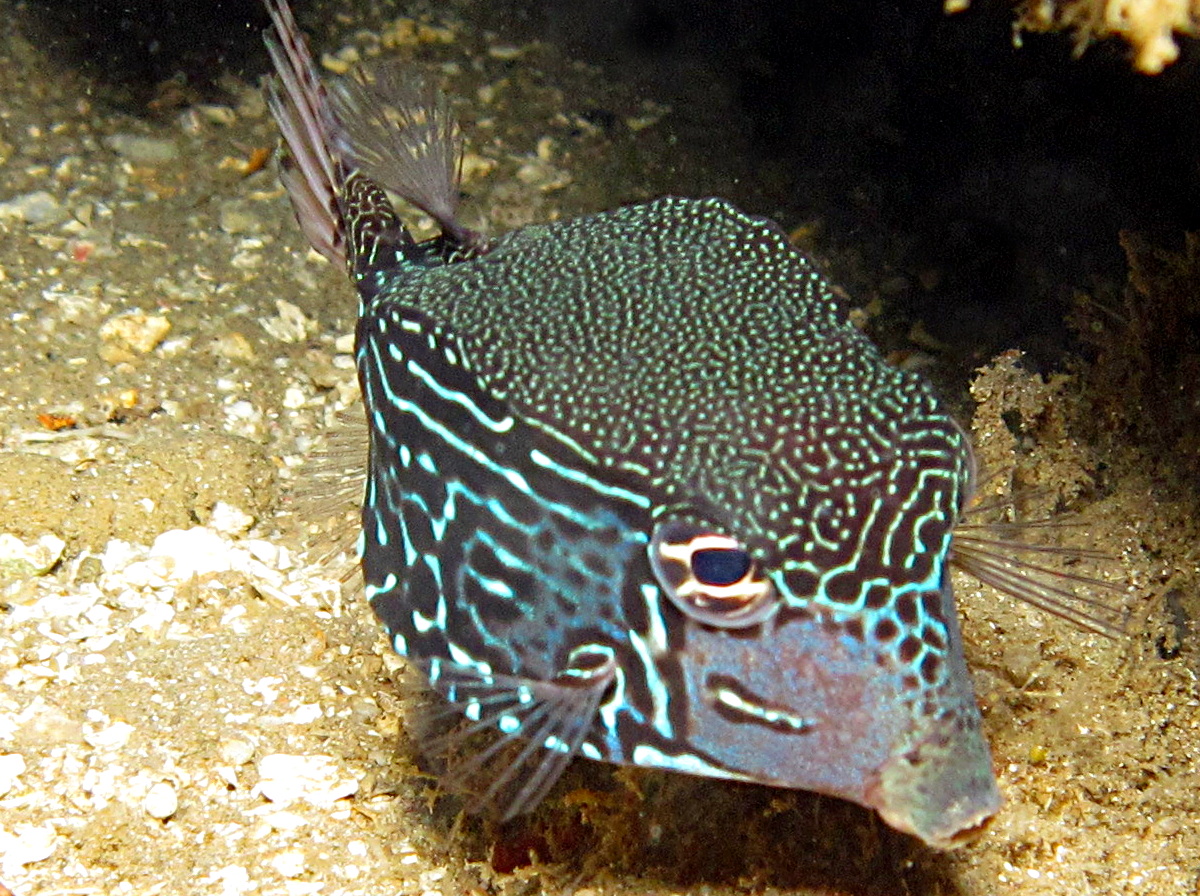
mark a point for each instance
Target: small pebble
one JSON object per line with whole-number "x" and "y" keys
{"x": 143, "y": 150}
{"x": 109, "y": 737}
{"x": 188, "y": 553}
{"x": 291, "y": 324}
{"x": 26, "y": 844}
{"x": 543, "y": 176}
{"x": 38, "y": 207}
{"x": 243, "y": 419}
{"x": 336, "y": 63}
{"x": 294, "y": 398}
{"x": 236, "y": 750}
{"x": 505, "y": 52}
{"x": 161, "y": 801}
{"x": 235, "y": 217}
{"x": 135, "y": 331}
{"x": 215, "y": 114}
{"x": 233, "y": 346}
{"x": 22, "y": 560}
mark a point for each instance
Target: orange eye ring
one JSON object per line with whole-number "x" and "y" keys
{"x": 711, "y": 577}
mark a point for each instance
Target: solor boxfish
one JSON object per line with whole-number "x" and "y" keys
{"x": 637, "y": 489}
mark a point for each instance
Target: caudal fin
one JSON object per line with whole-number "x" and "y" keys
{"x": 343, "y": 211}
{"x": 298, "y": 101}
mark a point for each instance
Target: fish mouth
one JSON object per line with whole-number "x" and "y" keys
{"x": 942, "y": 789}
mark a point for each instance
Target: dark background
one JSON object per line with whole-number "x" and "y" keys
{"x": 988, "y": 182}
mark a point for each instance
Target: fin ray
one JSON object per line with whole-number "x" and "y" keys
{"x": 398, "y": 130}
{"x": 996, "y": 562}
{"x": 299, "y": 104}
{"x": 552, "y": 718}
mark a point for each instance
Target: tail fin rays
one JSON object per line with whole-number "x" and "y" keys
{"x": 300, "y": 106}
{"x": 342, "y": 209}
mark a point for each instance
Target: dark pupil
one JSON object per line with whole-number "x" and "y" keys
{"x": 720, "y": 566}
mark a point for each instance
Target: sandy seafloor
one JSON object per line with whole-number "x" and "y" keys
{"x": 189, "y": 705}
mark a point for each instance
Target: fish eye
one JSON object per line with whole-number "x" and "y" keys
{"x": 710, "y": 576}
{"x": 720, "y": 567}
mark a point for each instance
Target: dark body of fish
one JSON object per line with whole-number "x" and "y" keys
{"x": 638, "y": 491}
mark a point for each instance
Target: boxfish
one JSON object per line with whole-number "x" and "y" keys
{"x": 637, "y": 489}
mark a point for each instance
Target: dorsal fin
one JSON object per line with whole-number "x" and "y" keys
{"x": 398, "y": 130}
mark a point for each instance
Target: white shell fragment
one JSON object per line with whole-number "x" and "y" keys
{"x": 230, "y": 521}
{"x": 290, "y": 863}
{"x": 12, "y": 766}
{"x": 20, "y": 560}
{"x": 25, "y": 844}
{"x": 290, "y": 324}
{"x": 286, "y": 779}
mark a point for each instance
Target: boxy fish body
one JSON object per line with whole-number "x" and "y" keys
{"x": 637, "y": 490}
